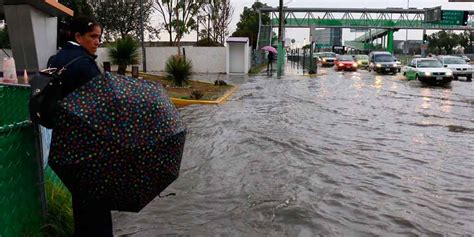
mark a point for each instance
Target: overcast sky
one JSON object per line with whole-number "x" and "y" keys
{"x": 300, "y": 34}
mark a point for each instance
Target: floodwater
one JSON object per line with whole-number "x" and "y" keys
{"x": 342, "y": 154}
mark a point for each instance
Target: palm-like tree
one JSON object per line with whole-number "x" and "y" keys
{"x": 178, "y": 70}
{"x": 124, "y": 52}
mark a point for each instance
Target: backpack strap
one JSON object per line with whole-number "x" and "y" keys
{"x": 71, "y": 62}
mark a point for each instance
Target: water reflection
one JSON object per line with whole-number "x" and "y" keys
{"x": 378, "y": 82}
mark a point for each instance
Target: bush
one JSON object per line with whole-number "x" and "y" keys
{"x": 124, "y": 52}
{"x": 178, "y": 70}
{"x": 196, "y": 94}
{"x": 220, "y": 83}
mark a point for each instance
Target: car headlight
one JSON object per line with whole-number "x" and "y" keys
{"x": 427, "y": 74}
{"x": 378, "y": 65}
{"x": 341, "y": 64}
{"x": 449, "y": 73}
{"x": 354, "y": 64}
{"x": 395, "y": 65}
{"x": 324, "y": 60}
{"x": 359, "y": 62}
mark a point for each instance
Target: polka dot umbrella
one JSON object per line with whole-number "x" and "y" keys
{"x": 119, "y": 140}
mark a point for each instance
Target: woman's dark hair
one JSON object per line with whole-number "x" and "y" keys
{"x": 81, "y": 25}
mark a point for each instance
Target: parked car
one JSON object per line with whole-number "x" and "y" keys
{"x": 458, "y": 65}
{"x": 345, "y": 62}
{"x": 464, "y": 57}
{"x": 428, "y": 70}
{"x": 383, "y": 62}
{"x": 362, "y": 60}
{"x": 326, "y": 58}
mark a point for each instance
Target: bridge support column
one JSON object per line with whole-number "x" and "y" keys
{"x": 390, "y": 41}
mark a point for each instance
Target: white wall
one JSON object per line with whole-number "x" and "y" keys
{"x": 204, "y": 59}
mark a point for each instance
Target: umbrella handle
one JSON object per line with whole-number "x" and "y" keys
{"x": 169, "y": 194}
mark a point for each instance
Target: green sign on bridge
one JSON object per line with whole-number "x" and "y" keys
{"x": 452, "y": 17}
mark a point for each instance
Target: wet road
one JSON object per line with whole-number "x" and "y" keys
{"x": 342, "y": 154}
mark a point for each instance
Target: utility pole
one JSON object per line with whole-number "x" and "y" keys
{"x": 208, "y": 29}
{"x": 142, "y": 36}
{"x": 280, "y": 40}
{"x": 197, "y": 31}
{"x": 406, "y": 36}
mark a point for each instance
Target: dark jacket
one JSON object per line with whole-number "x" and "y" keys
{"x": 78, "y": 73}
{"x": 270, "y": 56}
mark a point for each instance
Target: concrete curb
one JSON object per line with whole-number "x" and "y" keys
{"x": 183, "y": 102}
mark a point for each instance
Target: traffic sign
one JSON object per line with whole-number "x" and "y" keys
{"x": 453, "y": 17}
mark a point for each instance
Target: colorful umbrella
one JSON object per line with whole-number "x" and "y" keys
{"x": 119, "y": 140}
{"x": 269, "y": 49}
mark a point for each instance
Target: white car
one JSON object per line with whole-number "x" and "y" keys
{"x": 459, "y": 67}
{"x": 428, "y": 70}
{"x": 326, "y": 58}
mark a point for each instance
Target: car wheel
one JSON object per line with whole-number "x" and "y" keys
{"x": 404, "y": 74}
{"x": 455, "y": 78}
{"x": 469, "y": 78}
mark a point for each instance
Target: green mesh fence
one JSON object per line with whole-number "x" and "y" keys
{"x": 21, "y": 187}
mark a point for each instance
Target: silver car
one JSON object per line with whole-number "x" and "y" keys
{"x": 458, "y": 65}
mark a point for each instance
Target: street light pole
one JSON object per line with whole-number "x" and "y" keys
{"x": 142, "y": 36}
{"x": 406, "y": 36}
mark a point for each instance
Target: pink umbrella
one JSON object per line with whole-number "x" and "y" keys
{"x": 269, "y": 49}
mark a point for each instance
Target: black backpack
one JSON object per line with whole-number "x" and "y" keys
{"x": 46, "y": 91}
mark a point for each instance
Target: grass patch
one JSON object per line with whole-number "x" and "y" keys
{"x": 59, "y": 219}
{"x": 209, "y": 91}
{"x": 257, "y": 70}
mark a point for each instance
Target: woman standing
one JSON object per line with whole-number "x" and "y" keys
{"x": 91, "y": 218}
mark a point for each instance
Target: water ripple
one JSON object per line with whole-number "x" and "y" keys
{"x": 345, "y": 154}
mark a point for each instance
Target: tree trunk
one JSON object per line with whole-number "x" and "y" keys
{"x": 171, "y": 38}
{"x": 178, "y": 44}
{"x": 121, "y": 69}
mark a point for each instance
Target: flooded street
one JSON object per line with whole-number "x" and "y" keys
{"x": 341, "y": 154}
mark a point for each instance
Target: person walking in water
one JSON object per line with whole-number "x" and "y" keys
{"x": 270, "y": 58}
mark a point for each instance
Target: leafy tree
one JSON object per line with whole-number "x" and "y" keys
{"x": 465, "y": 39}
{"x": 215, "y": 19}
{"x": 122, "y": 18}
{"x": 434, "y": 44}
{"x": 248, "y": 26}
{"x": 80, "y": 7}
{"x": 178, "y": 17}
{"x": 209, "y": 42}
{"x": 445, "y": 40}
{"x": 469, "y": 35}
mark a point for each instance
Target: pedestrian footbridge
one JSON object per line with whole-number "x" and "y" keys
{"x": 384, "y": 21}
